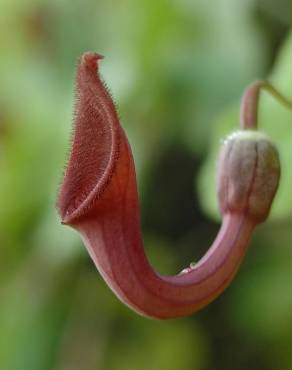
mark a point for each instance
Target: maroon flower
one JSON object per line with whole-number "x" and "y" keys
{"x": 98, "y": 197}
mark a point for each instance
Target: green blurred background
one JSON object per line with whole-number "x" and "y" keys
{"x": 176, "y": 69}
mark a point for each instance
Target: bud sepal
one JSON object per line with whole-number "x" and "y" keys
{"x": 248, "y": 174}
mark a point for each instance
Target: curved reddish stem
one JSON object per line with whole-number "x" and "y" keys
{"x": 99, "y": 198}
{"x": 250, "y": 102}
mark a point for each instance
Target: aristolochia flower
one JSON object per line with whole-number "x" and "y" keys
{"x": 99, "y": 199}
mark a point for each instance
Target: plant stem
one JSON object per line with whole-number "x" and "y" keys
{"x": 250, "y": 102}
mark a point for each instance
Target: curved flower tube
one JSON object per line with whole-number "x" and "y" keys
{"x": 99, "y": 199}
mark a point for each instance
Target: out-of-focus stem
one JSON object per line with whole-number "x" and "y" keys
{"x": 250, "y": 103}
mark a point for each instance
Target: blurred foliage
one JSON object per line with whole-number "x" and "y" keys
{"x": 176, "y": 69}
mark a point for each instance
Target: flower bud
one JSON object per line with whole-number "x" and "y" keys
{"x": 248, "y": 174}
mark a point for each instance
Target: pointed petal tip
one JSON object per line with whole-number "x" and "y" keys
{"x": 90, "y": 58}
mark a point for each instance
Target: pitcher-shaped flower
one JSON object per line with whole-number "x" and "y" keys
{"x": 99, "y": 199}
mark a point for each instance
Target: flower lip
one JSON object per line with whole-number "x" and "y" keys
{"x": 74, "y": 204}
{"x": 75, "y": 211}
